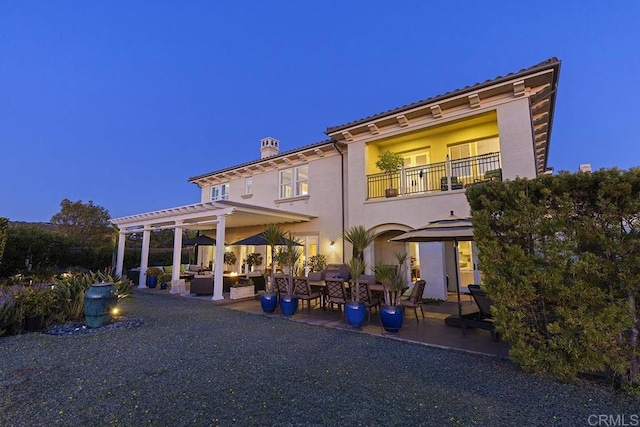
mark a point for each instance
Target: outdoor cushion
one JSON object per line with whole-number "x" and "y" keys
{"x": 168, "y": 268}
{"x": 407, "y": 293}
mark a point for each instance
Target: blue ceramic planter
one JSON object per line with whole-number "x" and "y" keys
{"x": 391, "y": 317}
{"x": 288, "y": 305}
{"x": 269, "y": 302}
{"x": 152, "y": 281}
{"x": 356, "y": 313}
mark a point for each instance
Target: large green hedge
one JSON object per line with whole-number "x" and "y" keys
{"x": 560, "y": 257}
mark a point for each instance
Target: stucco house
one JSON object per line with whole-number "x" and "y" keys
{"x": 495, "y": 130}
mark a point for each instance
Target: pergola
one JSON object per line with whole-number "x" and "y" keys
{"x": 218, "y": 215}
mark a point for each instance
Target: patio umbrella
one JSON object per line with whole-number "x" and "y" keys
{"x": 450, "y": 229}
{"x": 259, "y": 240}
{"x": 201, "y": 240}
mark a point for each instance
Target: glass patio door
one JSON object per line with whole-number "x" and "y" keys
{"x": 416, "y": 180}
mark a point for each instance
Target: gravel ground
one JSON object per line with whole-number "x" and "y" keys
{"x": 191, "y": 363}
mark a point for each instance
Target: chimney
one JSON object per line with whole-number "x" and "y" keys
{"x": 585, "y": 167}
{"x": 269, "y": 147}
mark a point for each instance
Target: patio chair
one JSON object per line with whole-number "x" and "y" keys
{"x": 303, "y": 291}
{"x": 455, "y": 184}
{"x": 280, "y": 285}
{"x": 335, "y": 291}
{"x": 367, "y": 297}
{"x": 482, "y": 300}
{"x": 483, "y": 318}
{"x": 415, "y": 299}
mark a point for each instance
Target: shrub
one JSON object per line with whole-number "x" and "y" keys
{"x": 560, "y": 257}
{"x": 317, "y": 262}
{"x": 70, "y": 290}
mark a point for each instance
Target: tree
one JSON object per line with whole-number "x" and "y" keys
{"x": 84, "y": 224}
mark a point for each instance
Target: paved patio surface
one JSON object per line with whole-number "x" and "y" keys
{"x": 430, "y": 331}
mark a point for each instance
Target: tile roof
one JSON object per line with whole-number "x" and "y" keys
{"x": 542, "y": 65}
{"x": 283, "y": 154}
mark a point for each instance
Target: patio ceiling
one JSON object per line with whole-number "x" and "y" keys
{"x": 203, "y": 216}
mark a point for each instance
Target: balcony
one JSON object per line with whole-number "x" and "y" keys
{"x": 443, "y": 176}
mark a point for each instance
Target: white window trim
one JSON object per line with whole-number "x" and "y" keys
{"x": 224, "y": 195}
{"x": 293, "y": 184}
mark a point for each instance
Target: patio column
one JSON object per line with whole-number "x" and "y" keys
{"x": 122, "y": 238}
{"x": 177, "y": 286}
{"x": 144, "y": 258}
{"x": 219, "y": 261}
{"x": 435, "y": 271}
{"x": 369, "y": 258}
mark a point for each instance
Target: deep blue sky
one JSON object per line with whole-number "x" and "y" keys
{"x": 120, "y": 102}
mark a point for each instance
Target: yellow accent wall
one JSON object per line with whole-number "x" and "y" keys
{"x": 437, "y": 139}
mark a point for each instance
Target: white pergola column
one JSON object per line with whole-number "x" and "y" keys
{"x": 176, "y": 285}
{"x": 122, "y": 238}
{"x": 144, "y": 257}
{"x": 219, "y": 261}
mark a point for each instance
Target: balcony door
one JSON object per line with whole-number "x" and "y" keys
{"x": 462, "y": 163}
{"x": 416, "y": 178}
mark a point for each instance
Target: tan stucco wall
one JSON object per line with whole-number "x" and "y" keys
{"x": 516, "y": 140}
{"x": 324, "y": 202}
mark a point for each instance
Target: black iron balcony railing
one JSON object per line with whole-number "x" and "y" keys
{"x": 443, "y": 176}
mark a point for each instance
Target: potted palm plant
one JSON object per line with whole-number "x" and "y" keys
{"x": 359, "y": 238}
{"x": 290, "y": 255}
{"x": 393, "y": 278}
{"x": 389, "y": 163}
{"x": 273, "y": 235}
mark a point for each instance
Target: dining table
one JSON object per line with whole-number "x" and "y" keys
{"x": 319, "y": 285}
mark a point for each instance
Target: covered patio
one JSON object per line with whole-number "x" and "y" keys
{"x": 218, "y": 215}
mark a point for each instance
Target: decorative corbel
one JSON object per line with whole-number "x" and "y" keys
{"x": 474, "y": 100}
{"x": 436, "y": 111}
{"x": 402, "y": 121}
{"x": 518, "y": 89}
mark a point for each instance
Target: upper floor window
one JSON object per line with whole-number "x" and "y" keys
{"x": 220, "y": 192}
{"x": 248, "y": 186}
{"x": 294, "y": 182}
